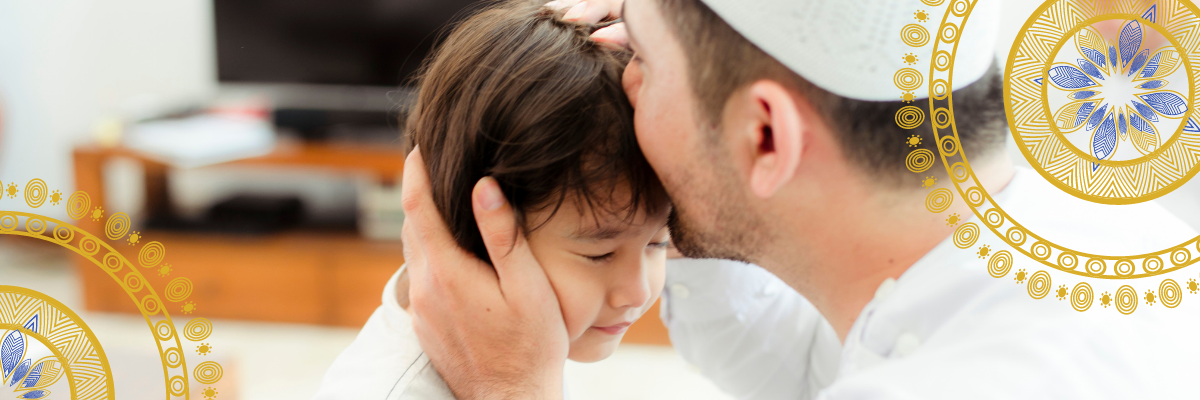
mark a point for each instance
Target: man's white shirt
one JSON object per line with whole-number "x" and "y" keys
{"x": 948, "y": 329}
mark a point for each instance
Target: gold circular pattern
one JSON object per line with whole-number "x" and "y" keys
{"x": 948, "y": 33}
{"x": 908, "y": 79}
{"x": 8, "y": 222}
{"x": 197, "y": 329}
{"x": 1095, "y": 266}
{"x": 1152, "y": 264}
{"x": 1039, "y": 285}
{"x": 933, "y": 3}
{"x": 151, "y": 254}
{"x": 1169, "y": 293}
{"x": 1040, "y": 250}
{"x": 1000, "y": 263}
{"x": 112, "y": 262}
{"x": 35, "y": 225}
{"x": 208, "y": 372}
{"x": 941, "y": 118}
{"x": 178, "y": 385}
{"x": 939, "y": 200}
{"x": 133, "y": 282}
{"x": 1081, "y": 297}
{"x": 910, "y": 117}
{"x": 1123, "y": 267}
{"x": 179, "y": 289}
{"x": 117, "y": 226}
{"x": 1015, "y": 236}
{"x": 173, "y": 357}
{"x": 63, "y": 234}
{"x": 914, "y": 35}
{"x": 1126, "y": 299}
{"x": 163, "y": 330}
{"x": 78, "y": 205}
{"x": 993, "y": 218}
{"x": 939, "y": 90}
{"x": 948, "y": 146}
{"x": 919, "y": 160}
{"x": 1181, "y": 256}
{"x": 966, "y": 235}
{"x": 150, "y": 305}
{"x": 959, "y": 8}
{"x": 941, "y": 60}
{"x": 89, "y": 245}
{"x": 959, "y": 172}
{"x": 35, "y": 193}
{"x": 1068, "y": 260}
{"x": 974, "y": 196}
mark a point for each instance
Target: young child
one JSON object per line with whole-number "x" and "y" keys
{"x": 517, "y": 94}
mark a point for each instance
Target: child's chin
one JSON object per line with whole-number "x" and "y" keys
{"x": 591, "y": 349}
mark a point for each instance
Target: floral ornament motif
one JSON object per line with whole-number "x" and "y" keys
{"x": 1118, "y": 91}
{"x": 22, "y": 371}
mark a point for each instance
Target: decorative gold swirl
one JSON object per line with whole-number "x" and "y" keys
{"x": 1126, "y": 299}
{"x": 1000, "y": 263}
{"x": 966, "y": 235}
{"x": 35, "y": 193}
{"x": 78, "y": 205}
{"x": 1169, "y": 293}
{"x": 197, "y": 329}
{"x": 908, "y": 79}
{"x": 939, "y": 200}
{"x": 910, "y": 117}
{"x": 919, "y": 160}
{"x": 151, "y": 254}
{"x": 1039, "y": 284}
{"x": 208, "y": 372}
{"x": 179, "y": 289}
{"x": 1081, "y": 297}
{"x": 914, "y": 35}
{"x": 117, "y": 226}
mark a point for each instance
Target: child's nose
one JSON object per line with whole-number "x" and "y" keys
{"x": 631, "y": 286}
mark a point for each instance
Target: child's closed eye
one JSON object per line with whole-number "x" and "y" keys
{"x": 600, "y": 258}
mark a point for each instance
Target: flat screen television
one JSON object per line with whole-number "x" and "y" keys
{"x": 328, "y": 42}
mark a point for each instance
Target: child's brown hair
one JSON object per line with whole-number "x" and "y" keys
{"x": 518, "y": 94}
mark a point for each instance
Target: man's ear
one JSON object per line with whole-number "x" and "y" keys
{"x": 776, "y": 128}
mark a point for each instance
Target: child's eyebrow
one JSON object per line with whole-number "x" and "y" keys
{"x": 596, "y": 233}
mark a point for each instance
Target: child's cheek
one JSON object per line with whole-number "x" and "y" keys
{"x": 579, "y": 295}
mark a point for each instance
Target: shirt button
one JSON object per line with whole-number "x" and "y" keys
{"x": 885, "y": 289}
{"x": 679, "y": 291}
{"x": 906, "y": 344}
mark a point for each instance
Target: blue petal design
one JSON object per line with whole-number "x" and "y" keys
{"x": 1150, "y": 14}
{"x": 1166, "y": 103}
{"x": 1105, "y": 139}
{"x": 1154, "y": 84}
{"x": 20, "y": 371}
{"x": 1038, "y": 81}
{"x": 1192, "y": 126}
{"x": 1095, "y": 119}
{"x": 33, "y": 376}
{"x": 1069, "y": 77}
{"x": 1112, "y": 55}
{"x": 1137, "y": 122}
{"x": 1083, "y": 94}
{"x": 35, "y": 394}
{"x": 1145, "y": 111}
{"x": 1089, "y": 68}
{"x": 1151, "y": 66}
{"x": 1121, "y": 126}
{"x": 11, "y": 351}
{"x": 1095, "y": 55}
{"x": 1084, "y": 111}
{"x": 1138, "y": 62}
{"x": 1130, "y": 41}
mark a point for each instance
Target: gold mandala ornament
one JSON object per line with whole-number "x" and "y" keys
{"x": 45, "y": 348}
{"x": 1101, "y": 97}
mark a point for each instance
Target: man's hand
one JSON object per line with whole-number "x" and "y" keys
{"x": 594, "y": 11}
{"x": 491, "y": 333}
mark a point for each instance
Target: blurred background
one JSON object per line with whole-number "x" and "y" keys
{"x": 258, "y": 141}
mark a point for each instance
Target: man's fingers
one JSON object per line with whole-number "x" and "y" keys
{"x": 425, "y": 230}
{"x": 613, "y": 35}
{"x": 515, "y": 265}
{"x": 588, "y": 12}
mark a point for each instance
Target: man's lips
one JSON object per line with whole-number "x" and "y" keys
{"x": 614, "y": 329}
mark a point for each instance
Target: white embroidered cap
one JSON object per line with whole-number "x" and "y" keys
{"x": 854, "y": 48}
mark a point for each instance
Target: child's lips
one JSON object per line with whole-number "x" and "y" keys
{"x": 614, "y": 329}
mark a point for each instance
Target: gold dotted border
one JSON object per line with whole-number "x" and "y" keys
{"x": 97, "y": 250}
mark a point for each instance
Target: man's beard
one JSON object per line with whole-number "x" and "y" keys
{"x": 732, "y": 232}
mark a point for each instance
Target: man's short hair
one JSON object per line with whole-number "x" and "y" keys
{"x": 721, "y": 61}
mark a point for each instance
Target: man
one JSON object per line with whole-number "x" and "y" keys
{"x": 771, "y": 126}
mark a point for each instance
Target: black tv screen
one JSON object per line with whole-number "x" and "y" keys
{"x": 340, "y": 42}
